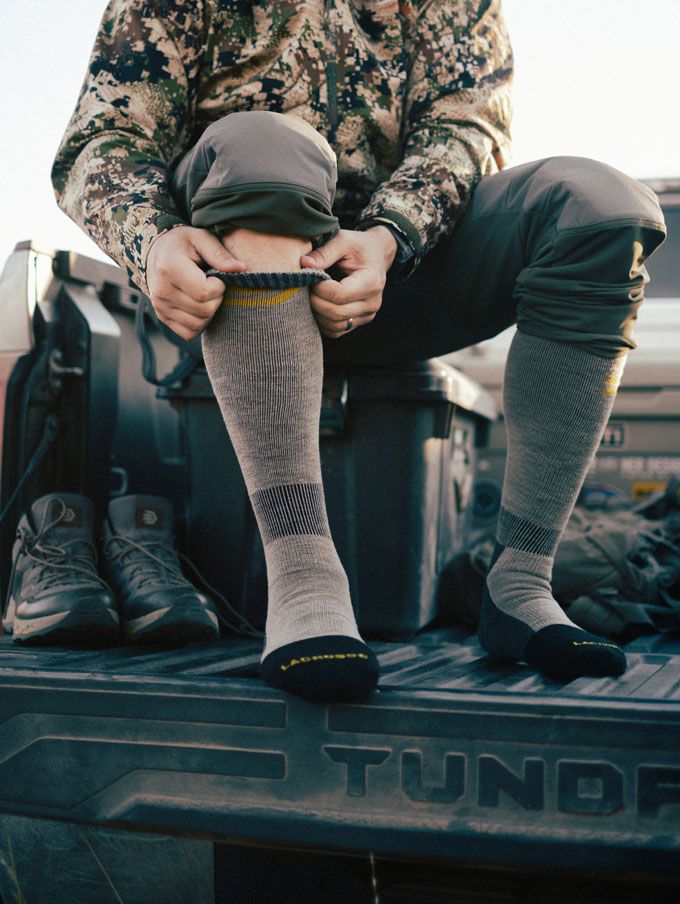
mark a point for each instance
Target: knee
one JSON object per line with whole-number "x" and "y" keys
{"x": 261, "y": 170}
{"x": 597, "y": 225}
{"x": 264, "y": 146}
{"x": 583, "y": 193}
{"x": 585, "y": 276}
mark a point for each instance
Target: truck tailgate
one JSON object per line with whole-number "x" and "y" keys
{"x": 454, "y": 759}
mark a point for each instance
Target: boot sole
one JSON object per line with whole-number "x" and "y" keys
{"x": 172, "y": 627}
{"x": 90, "y": 623}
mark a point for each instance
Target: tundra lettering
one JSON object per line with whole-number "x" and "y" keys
{"x": 582, "y": 787}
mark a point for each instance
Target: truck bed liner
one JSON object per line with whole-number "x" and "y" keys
{"x": 455, "y": 758}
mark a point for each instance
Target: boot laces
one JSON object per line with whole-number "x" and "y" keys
{"x": 54, "y": 564}
{"x": 153, "y": 560}
{"x": 161, "y": 560}
{"x": 58, "y": 563}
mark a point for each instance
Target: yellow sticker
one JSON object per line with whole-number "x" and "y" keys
{"x": 644, "y": 488}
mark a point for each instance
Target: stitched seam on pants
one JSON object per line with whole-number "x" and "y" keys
{"x": 237, "y": 187}
{"x": 623, "y": 221}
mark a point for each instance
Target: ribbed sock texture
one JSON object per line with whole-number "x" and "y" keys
{"x": 557, "y": 399}
{"x": 263, "y": 353}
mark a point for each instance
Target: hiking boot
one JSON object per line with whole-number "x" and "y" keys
{"x": 158, "y": 604}
{"x": 55, "y": 595}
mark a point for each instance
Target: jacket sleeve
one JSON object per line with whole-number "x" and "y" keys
{"x": 131, "y": 121}
{"x": 456, "y": 125}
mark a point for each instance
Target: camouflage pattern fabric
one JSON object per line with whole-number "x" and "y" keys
{"x": 412, "y": 95}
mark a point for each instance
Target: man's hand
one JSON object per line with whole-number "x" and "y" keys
{"x": 183, "y": 297}
{"x": 366, "y": 257}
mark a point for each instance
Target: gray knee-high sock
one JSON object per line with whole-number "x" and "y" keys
{"x": 557, "y": 400}
{"x": 263, "y": 353}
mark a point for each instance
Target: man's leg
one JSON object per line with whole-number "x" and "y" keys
{"x": 559, "y": 246}
{"x": 263, "y": 354}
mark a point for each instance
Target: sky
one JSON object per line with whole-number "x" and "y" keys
{"x": 594, "y": 78}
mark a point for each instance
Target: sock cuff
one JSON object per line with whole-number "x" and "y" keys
{"x": 518, "y": 533}
{"x": 308, "y": 276}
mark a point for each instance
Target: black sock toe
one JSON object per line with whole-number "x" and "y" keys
{"x": 323, "y": 669}
{"x": 566, "y": 653}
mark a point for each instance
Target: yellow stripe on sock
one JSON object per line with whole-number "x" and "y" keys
{"x": 246, "y": 297}
{"x": 611, "y": 383}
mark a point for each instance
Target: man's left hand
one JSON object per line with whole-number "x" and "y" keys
{"x": 365, "y": 257}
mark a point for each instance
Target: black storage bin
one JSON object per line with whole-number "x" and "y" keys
{"x": 398, "y": 452}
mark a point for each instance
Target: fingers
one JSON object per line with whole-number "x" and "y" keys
{"x": 202, "y": 310}
{"x": 328, "y": 254}
{"x": 340, "y": 313}
{"x": 334, "y": 329}
{"x": 187, "y": 326}
{"x": 357, "y": 297}
{"x": 188, "y": 278}
{"x": 177, "y": 257}
{"x": 184, "y": 298}
{"x": 186, "y": 301}
{"x": 184, "y": 310}
{"x": 359, "y": 285}
{"x": 176, "y": 300}
{"x": 211, "y": 250}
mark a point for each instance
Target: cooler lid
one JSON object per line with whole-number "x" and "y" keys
{"x": 421, "y": 381}
{"x": 432, "y": 380}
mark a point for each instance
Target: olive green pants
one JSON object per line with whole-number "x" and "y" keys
{"x": 556, "y": 246}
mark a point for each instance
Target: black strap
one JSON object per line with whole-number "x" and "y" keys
{"x": 185, "y": 365}
{"x": 50, "y": 431}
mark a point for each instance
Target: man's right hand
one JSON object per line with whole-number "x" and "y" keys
{"x": 183, "y": 297}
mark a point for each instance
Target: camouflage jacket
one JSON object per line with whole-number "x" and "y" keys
{"x": 412, "y": 95}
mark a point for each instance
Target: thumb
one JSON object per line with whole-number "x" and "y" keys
{"x": 212, "y": 251}
{"x": 325, "y": 256}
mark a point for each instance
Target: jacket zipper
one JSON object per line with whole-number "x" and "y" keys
{"x": 331, "y": 75}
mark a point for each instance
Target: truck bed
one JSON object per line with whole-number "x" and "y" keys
{"x": 455, "y": 758}
{"x": 456, "y": 761}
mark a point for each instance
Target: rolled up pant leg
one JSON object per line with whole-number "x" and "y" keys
{"x": 271, "y": 172}
{"x": 556, "y": 245}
